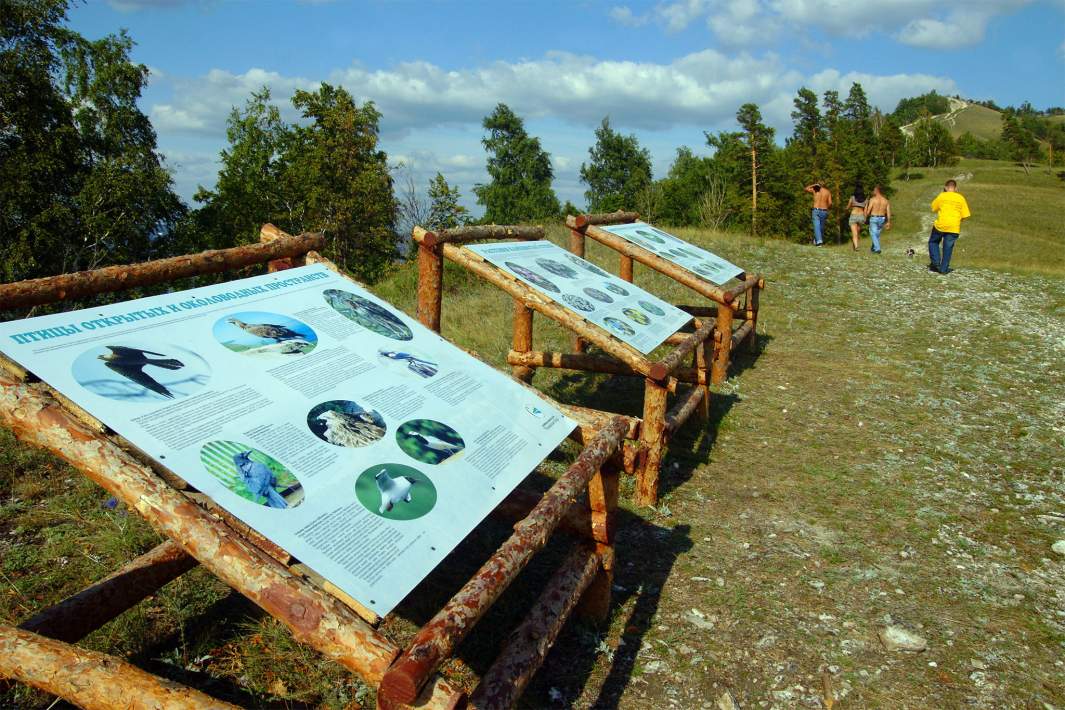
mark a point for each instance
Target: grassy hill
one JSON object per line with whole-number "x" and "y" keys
{"x": 982, "y": 122}
{"x": 893, "y": 455}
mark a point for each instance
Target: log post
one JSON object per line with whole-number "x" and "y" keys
{"x": 723, "y": 346}
{"x": 602, "y": 502}
{"x": 576, "y": 247}
{"x": 752, "y": 315}
{"x": 430, "y": 285}
{"x": 703, "y": 355}
{"x": 652, "y": 442}
{"x": 625, "y": 270}
{"x": 523, "y": 336}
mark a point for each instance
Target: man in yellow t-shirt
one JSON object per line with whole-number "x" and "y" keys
{"x": 950, "y": 208}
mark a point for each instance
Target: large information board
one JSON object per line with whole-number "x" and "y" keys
{"x": 699, "y": 261}
{"x": 344, "y": 431}
{"x": 626, "y": 311}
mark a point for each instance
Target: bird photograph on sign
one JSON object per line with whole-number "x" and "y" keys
{"x": 264, "y": 334}
{"x": 407, "y": 363}
{"x": 342, "y": 422}
{"x": 252, "y": 474}
{"x": 429, "y": 441}
{"x": 395, "y": 491}
{"x": 368, "y": 314}
{"x": 141, "y": 372}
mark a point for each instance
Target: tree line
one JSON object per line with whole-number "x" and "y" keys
{"x": 83, "y": 185}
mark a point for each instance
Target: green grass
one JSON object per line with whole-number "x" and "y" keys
{"x": 982, "y": 122}
{"x": 894, "y": 451}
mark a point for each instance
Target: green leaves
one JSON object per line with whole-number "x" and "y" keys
{"x": 520, "y": 172}
{"x": 618, "y": 172}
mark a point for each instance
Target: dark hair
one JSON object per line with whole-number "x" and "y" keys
{"x": 951, "y": 183}
{"x": 859, "y": 193}
{"x": 878, "y": 187}
{"x": 817, "y": 188}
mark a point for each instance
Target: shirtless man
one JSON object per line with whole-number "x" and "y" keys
{"x": 822, "y": 201}
{"x": 878, "y": 214}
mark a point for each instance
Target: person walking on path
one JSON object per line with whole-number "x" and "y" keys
{"x": 950, "y": 208}
{"x": 878, "y": 212}
{"x": 856, "y": 205}
{"x": 822, "y": 201}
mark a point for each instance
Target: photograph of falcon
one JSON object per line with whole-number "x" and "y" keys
{"x": 130, "y": 363}
{"x": 345, "y": 423}
{"x": 264, "y": 334}
{"x": 258, "y": 479}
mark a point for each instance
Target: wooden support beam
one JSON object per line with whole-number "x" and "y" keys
{"x": 683, "y": 408}
{"x": 625, "y": 268}
{"x": 577, "y": 520}
{"x": 652, "y": 442}
{"x": 36, "y": 292}
{"x": 576, "y": 247}
{"x": 741, "y": 333}
{"x": 313, "y": 616}
{"x": 699, "y": 311}
{"x": 464, "y": 235}
{"x": 528, "y": 645}
{"x": 542, "y": 304}
{"x": 589, "y": 363}
{"x": 439, "y": 637}
{"x": 77, "y": 616}
{"x": 752, "y": 314}
{"x": 90, "y": 679}
{"x": 748, "y": 283}
{"x": 703, "y": 358}
{"x": 723, "y": 347}
{"x": 603, "y": 503}
{"x": 592, "y": 421}
{"x": 580, "y": 221}
{"x": 667, "y": 365}
{"x": 523, "y": 339}
{"x": 430, "y": 285}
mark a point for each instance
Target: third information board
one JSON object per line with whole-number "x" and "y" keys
{"x": 699, "y": 261}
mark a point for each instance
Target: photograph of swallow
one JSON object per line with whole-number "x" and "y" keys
{"x": 258, "y": 479}
{"x": 130, "y": 364}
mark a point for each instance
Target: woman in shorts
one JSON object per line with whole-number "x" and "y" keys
{"x": 856, "y": 205}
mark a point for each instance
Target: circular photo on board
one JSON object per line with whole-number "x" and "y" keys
{"x": 705, "y": 269}
{"x": 636, "y": 316}
{"x": 581, "y": 304}
{"x": 368, "y": 314}
{"x": 262, "y": 334}
{"x": 664, "y": 235}
{"x": 395, "y": 491}
{"x": 598, "y": 295}
{"x": 619, "y": 327}
{"x": 650, "y": 235}
{"x": 556, "y": 268}
{"x": 407, "y": 363}
{"x": 614, "y": 288}
{"x": 429, "y": 441}
{"x": 532, "y": 277}
{"x": 342, "y": 422}
{"x": 141, "y": 371}
{"x": 651, "y": 308}
{"x": 587, "y": 266}
{"x": 252, "y": 474}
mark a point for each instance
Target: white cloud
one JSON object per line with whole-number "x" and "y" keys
{"x": 623, "y": 15}
{"x": 915, "y": 22}
{"x": 135, "y": 5}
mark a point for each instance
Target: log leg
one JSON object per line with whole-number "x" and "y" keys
{"x": 752, "y": 316}
{"x": 625, "y": 272}
{"x": 576, "y": 247}
{"x": 430, "y": 285}
{"x": 702, "y": 372}
{"x": 523, "y": 335}
{"x": 603, "y": 502}
{"x": 652, "y": 442}
{"x": 722, "y": 345}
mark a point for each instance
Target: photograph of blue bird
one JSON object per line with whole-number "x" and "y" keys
{"x": 258, "y": 479}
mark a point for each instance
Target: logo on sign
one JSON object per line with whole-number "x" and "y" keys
{"x": 535, "y": 411}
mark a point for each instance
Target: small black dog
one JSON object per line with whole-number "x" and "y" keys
{"x": 910, "y": 253}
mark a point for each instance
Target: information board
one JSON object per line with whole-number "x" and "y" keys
{"x": 627, "y": 312}
{"x": 699, "y": 261}
{"x": 359, "y": 441}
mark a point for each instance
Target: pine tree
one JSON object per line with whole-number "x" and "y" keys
{"x": 520, "y": 172}
{"x": 618, "y": 171}
{"x": 445, "y": 212}
{"x": 1021, "y": 142}
{"x": 759, "y": 139}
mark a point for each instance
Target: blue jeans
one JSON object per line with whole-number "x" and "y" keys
{"x": 948, "y": 239}
{"x": 819, "y": 217}
{"x": 875, "y": 225}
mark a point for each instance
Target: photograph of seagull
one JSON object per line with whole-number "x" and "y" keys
{"x": 429, "y": 441}
{"x": 130, "y": 364}
{"x": 393, "y": 490}
{"x": 266, "y": 331}
{"x": 439, "y": 445}
{"x": 258, "y": 479}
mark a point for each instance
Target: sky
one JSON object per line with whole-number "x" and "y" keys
{"x": 664, "y": 71}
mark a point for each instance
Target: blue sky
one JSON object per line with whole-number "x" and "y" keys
{"x": 666, "y": 71}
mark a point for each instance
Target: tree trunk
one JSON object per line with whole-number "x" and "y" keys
{"x": 754, "y": 191}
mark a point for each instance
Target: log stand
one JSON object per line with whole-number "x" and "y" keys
{"x": 683, "y": 372}
{"x": 41, "y": 652}
{"x": 734, "y": 308}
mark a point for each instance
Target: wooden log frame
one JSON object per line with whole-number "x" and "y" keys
{"x": 661, "y": 376}
{"x": 741, "y": 298}
{"x": 582, "y": 502}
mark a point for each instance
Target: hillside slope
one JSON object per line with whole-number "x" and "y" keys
{"x": 982, "y": 122}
